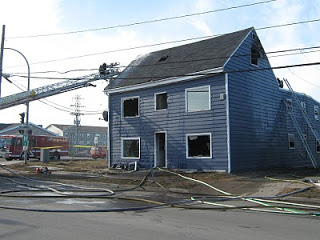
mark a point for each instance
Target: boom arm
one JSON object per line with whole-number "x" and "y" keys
{"x": 57, "y": 88}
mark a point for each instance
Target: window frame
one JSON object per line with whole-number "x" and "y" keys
{"x": 198, "y": 134}
{"x": 289, "y": 100}
{"x": 186, "y": 98}
{"x": 122, "y": 106}
{"x": 155, "y": 101}
{"x": 316, "y": 117}
{"x": 130, "y": 138}
{"x": 251, "y": 56}
{"x": 291, "y": 135}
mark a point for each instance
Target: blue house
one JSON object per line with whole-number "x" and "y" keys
{"x": 210, "y": 105}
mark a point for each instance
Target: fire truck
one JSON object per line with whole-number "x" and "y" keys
{"x": 12, "y": 147}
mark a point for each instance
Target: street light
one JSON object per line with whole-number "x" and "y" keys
{"x": 27, "y": 112}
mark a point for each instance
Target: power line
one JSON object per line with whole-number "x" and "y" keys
{"x": 142, "y": 22}
{"x": 64, "y": 72}
{"x": 308, "y": 59}
{"x": 230, "y": 71}
{"x": 194, "y": 75}
{"x": 302, "y": 78}
{"x": 191, "y": 60}
{"x": 165, "y": 43}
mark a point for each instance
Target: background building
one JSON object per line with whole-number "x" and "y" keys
{"x": 87, "y": 135}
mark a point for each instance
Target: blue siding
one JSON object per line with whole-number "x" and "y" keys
{"x": 175, "y": 121}
{"x": 259, "y": 124}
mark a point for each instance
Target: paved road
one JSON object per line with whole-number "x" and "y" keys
{"x": 165, "y": 223}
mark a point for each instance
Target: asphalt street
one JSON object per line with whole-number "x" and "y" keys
{"x": 156, "y": 223}
{"x": 165, "y": 223}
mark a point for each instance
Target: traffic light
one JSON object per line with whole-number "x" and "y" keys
{"x": 22, "y": 115}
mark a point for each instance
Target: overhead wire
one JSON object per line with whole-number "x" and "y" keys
{"x": 178, "y": 62}
{"x": 164, "y": 43}
{"x": 303, "y": 79}
{"x": 142, "y": 22}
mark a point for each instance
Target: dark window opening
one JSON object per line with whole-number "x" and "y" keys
{"x": 291, "y": 141}
{"x": 199, "y": 146}
{"x": 161, "y": 101}
{"x": 131, "y": 148}
{"x": 255, "y": 55}
{"x": 163, "y": 58}
{"x": 130, "y": 107}
{"x": 318, "y": 146}
{"x": 316, "y": 112}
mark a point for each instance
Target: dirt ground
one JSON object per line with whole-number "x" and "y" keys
{"x": 258, "y": 183}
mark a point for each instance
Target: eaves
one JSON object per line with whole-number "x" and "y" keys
{"x": 165, "y": 81}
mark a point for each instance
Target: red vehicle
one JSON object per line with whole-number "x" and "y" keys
{"x": 58, "y": 146}
{"x": 98, "y": 152}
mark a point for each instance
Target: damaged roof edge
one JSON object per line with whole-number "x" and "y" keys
{"x": 164, "y": 81}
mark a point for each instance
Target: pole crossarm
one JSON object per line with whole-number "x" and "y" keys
{"x": 53, "y": 89}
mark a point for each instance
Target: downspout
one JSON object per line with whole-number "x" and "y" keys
{"x": 228, "y": 122}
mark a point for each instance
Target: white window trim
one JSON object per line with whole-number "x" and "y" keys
{"x": 198, "y": 134}
{"x": 291, "y": 134}
{"x": 130, "y": 138}
{"x": 303, "y": 105}
{"x": 155, "y": 101}
{"x": 122, "y": 110}
{"x": 186, "y": 98}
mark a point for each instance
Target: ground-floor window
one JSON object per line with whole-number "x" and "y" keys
{"x": 130, "y": 148}
{"x": 198, "y": 145}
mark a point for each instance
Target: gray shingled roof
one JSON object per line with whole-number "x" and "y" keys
{"x": 178, "y": 61}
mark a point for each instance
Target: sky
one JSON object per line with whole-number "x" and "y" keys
{"x": 89, "y": 49}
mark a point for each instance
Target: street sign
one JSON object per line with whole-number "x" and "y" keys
{"x": 25, "y": 140}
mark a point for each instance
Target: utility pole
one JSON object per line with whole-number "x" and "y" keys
{"x": 77, "y": 113}
{"x": 1, "y": 53}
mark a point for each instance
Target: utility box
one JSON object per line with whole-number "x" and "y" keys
{"x": 44, "y": 155}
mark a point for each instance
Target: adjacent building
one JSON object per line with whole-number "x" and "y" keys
{"x": 86, "y": 134}
{"x": 209, "y": 105}
{"x": 15, "y": 129}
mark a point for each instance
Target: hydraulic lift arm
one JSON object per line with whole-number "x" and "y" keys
{"x": 105, "y": 72}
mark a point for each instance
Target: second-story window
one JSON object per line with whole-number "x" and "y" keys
{"x": 198, "y": 99}
{"x": 130, "y": 107}
{"x": 161, "y": 101}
